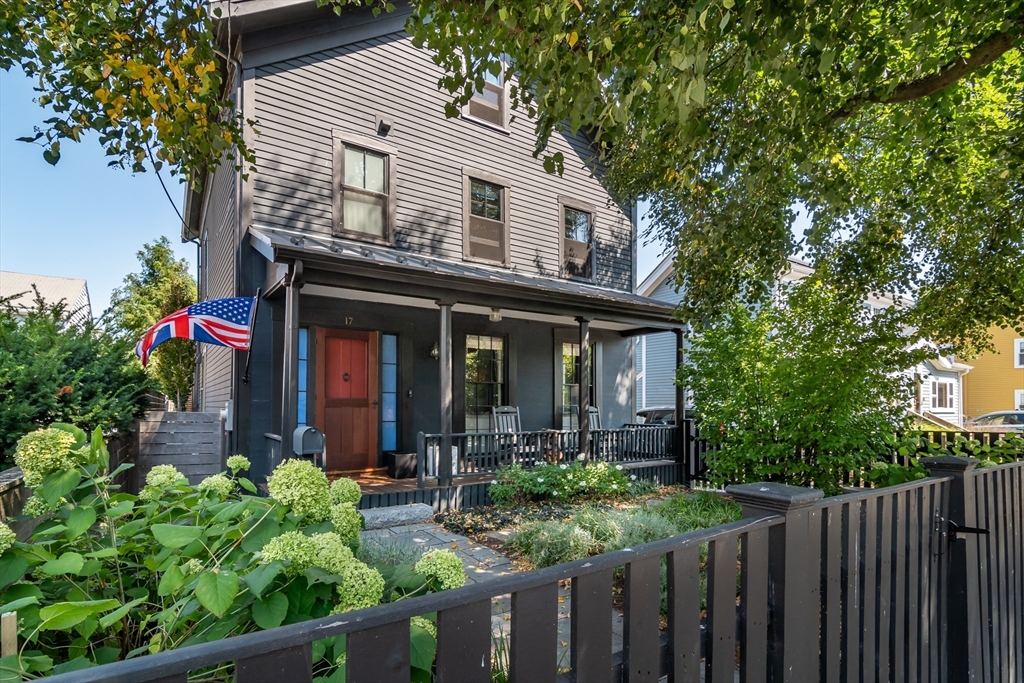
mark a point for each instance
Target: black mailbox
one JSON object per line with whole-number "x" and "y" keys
{"x": 308, "y": 441}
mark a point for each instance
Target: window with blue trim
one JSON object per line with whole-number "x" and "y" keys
{"x": 389, "y": 392}
{"x": 303, "y": 372}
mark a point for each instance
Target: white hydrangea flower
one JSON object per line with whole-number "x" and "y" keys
{"x": 581, "y": 457}
{"x": 583, "y": 484}
{"x": 618, "y": 467}
{"x": 615, "y": 487}
{"x": 632, "y": 477}
{"x": 494, "y": 481}
{"x": 540, "y": 480}
{"x": 563, "y": 466}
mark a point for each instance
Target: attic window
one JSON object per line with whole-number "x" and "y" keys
{"x": 491, "y": 103}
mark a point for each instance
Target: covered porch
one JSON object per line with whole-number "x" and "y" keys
{"x": 464, "y": 340}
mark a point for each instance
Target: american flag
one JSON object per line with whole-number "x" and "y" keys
{"x": 225, "y": 322}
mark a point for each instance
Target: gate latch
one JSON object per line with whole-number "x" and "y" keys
{"x": 955, "y": 529}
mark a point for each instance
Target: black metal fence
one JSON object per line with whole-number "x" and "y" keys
{"x": 892, "y": 584}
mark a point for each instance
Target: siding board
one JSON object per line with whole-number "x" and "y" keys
{"x": 300, "y": 100}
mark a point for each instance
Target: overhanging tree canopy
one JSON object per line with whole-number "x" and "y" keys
{"x": 898, "y": 124}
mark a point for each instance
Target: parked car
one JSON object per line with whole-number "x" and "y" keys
{"x": 1003, "y": 420}
{"x": 660, "y": 415}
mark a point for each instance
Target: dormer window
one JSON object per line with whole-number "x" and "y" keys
{"x": 490, "y": 105}
{"x": 364, "y": 202}
{"x": 577, "y": 239}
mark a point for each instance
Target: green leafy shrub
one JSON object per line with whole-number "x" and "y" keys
{"x": 1010, "y": 448}
{"x": 52, "y": 370}
{"x": 345, "y": 490}
{"x": 802, "y": 390}
{"x": 564, "y": 482}
{"x": 110, "y": 575}
{"x": 303, "y": 487}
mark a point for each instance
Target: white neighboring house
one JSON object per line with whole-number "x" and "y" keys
{"x": 939, "y": 381}
{"x": 74, "y": 292}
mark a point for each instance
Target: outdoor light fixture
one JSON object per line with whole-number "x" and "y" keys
{"x": 435, "y": 351}
{"x": 495, "y": 316}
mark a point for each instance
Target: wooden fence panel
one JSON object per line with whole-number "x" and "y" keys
{"x": 192, "y": 442}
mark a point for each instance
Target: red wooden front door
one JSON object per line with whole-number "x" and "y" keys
{"x": 346, "y": 391}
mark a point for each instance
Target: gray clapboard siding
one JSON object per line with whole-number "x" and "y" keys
{"x": 301, "y": 100}
{"x": 659, "y": 358}
{"x": 220, "y": 243}
{"x": 192, "y": 442}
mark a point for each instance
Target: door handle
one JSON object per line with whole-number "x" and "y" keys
{"x": 374, "y": 402}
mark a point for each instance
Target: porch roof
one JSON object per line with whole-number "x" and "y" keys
{"x": 374, "y": 268}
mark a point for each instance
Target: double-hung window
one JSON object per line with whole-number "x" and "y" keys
{"x": 577, "y": 239}
{"x": 1018, "y": 353}
{"x": 485, "y": 217}
{"x": 485, "y": 380}
{"x": 490, "y": 104}
{"x": 364, "y": 194}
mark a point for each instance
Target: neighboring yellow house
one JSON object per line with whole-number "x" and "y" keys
{"x": 997, "y": 380}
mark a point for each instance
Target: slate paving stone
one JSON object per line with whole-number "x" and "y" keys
{"x": 483, "y": 564}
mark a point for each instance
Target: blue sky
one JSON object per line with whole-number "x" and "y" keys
{"x": 78, "y": 218}
{"x": 82, "y": 219}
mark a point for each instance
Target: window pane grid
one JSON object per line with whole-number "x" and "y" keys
{"x": 300, "y": 405}
{"x": 389, "y": 392}
{"x": 365, "y": 192}
{"x": 485, "y": 380}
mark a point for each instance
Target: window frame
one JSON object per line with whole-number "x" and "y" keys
{"x": 504, "y": 383}
{"x": 503, "y": 103}
{"x": 950, "y": 395}
{"x": 1018, "y": 398}
{"x": 1018, "y": 353}
{"x": 576, "y": 205}
{"x": 468, "y": 175}
{"x": 341, "y": 140}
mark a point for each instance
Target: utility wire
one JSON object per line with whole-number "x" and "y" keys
{"x": 161, "y": 179}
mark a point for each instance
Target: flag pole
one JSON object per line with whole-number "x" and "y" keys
{"x": 252, "y": 324}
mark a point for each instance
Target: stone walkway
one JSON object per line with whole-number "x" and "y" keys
{"x": 483, "y": 564}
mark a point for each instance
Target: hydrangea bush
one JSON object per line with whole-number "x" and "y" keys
{"x": 347, "y": 523}
{"x": 301, "y": 486}
{"x": 442, "y": 568}
{"x": 515, "y": 486}
{"x": 345, "y": 490}
{"x": 109, "y": 575}
{"x": 45, "y": 452}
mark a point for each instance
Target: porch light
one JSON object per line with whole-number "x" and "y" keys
{"x": 495, "y": 316}
{"x": 435, "y": 351}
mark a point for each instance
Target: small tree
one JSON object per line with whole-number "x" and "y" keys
{"x": 163, "y": 286}
{"x": 53, "y": 371}
{"x": 806, "y": 388}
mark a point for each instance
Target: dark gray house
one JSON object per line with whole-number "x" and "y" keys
{"x": 416, "y": 270}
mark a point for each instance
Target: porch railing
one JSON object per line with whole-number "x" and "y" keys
{"x": 483, "y": 453}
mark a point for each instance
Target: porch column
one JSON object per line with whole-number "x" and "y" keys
{"x": 584, "y": 380}
{"x": 444, "y": 473}
{"x": 680, "y": 389}
{"x": 682, "y": 442}
{"x": 290, "y": 366}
